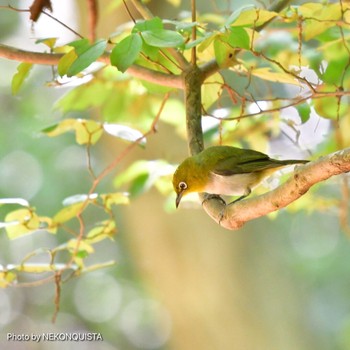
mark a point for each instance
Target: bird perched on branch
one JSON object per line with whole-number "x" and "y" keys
{"x": 225, "y": 170}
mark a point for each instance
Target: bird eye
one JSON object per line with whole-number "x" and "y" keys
{"x": 182, "y": 185}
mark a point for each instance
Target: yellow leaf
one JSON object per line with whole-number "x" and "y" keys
{"x": 61, "y": 127}
{"x": 265, "y": 73}
{"x": 211, "y": 90}
{"x": 37, "y": 267}
{"x": 67, "y": 213}
{"x": 6, "y": 278}
{"x": 66, "y": 61}
{"x": 117, "y": 198}
{"x": 319, "y": 17}
{"x": 254, "y": 17}
{"x": 23, "y": 70}
{"x": 21, "y": 222}
{"x": 175, "y": 3}
{"x": 87, "y": 131}
{"x": 107, "y": 230}
{"x": 83, "y": 246}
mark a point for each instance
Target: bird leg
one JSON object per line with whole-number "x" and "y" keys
{"x": 222, "y": 213}
{"x": 248, "y": 192}
{"x": 209, "y": 196}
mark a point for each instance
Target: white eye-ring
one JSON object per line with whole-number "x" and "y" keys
{"x": 182, "y": 185}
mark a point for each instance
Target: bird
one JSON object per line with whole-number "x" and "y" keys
{"x": 225, "y": 170}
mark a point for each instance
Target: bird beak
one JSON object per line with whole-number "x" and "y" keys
{"x": 178, "y": 199}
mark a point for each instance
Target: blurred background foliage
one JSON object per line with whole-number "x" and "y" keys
{"x": 180, "y": 281}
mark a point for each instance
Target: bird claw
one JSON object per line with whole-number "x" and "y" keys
{"x": 208, "y": 197}
{"x": 215, "y": 196}
{"x": 222, "y": 214}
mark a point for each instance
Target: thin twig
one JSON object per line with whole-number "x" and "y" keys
{"x": 9, "y": 7}
{"x": 126, "y": 151}
{"x": 128, "y": 11}
{"x": 58, "y": 276}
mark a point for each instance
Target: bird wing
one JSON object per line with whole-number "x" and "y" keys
{"x": 244, "y": 162}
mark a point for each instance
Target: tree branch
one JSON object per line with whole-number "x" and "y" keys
{"x": 233, "y": 217}
{"x": 193, "y": 105}
{"x": 136, "y": 71}
{"x": 92, "y": 18}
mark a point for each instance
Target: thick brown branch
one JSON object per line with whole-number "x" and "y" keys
{"x": 93, "y": 18}
{"x": 193, "y": 81}
{"x": 136, "y": 71}
{"x": 233, "y": 217}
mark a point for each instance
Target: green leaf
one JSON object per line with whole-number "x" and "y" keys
{"x": 304, "y": 111}
{"x": 86, "y": 56}
{"x": 154, "y": 58}
{"x": 80, "y": 45}
{"x": 163, "y": 38}
{"x": 238, "y": 37}
{"x": 150, "y": 24}
{"x": 23, "y": 70}
{"x": 225, "y": 54}
{"x": 124, "y": 132}
{"x": 179, "y": 25}
{"x": 126, "y": 52}
{"x": 335, "y": 70}
{"x": 329, "y": 107}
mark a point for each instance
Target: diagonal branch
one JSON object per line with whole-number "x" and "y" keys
{"x": 233, "y": 217}
{"x": 11, "y": 53}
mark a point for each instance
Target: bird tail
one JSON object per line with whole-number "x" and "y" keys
{"x": 293, "y": 161}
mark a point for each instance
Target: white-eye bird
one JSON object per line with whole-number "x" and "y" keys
{"x": 225, "y": 170}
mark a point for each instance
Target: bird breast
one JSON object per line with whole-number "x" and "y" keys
{"x": 232, "y": 185}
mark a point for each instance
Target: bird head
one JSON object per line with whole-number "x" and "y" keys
{"x": 188, "y": 177}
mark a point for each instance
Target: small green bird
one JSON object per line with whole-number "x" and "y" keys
{"x": 225, "y": 170}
